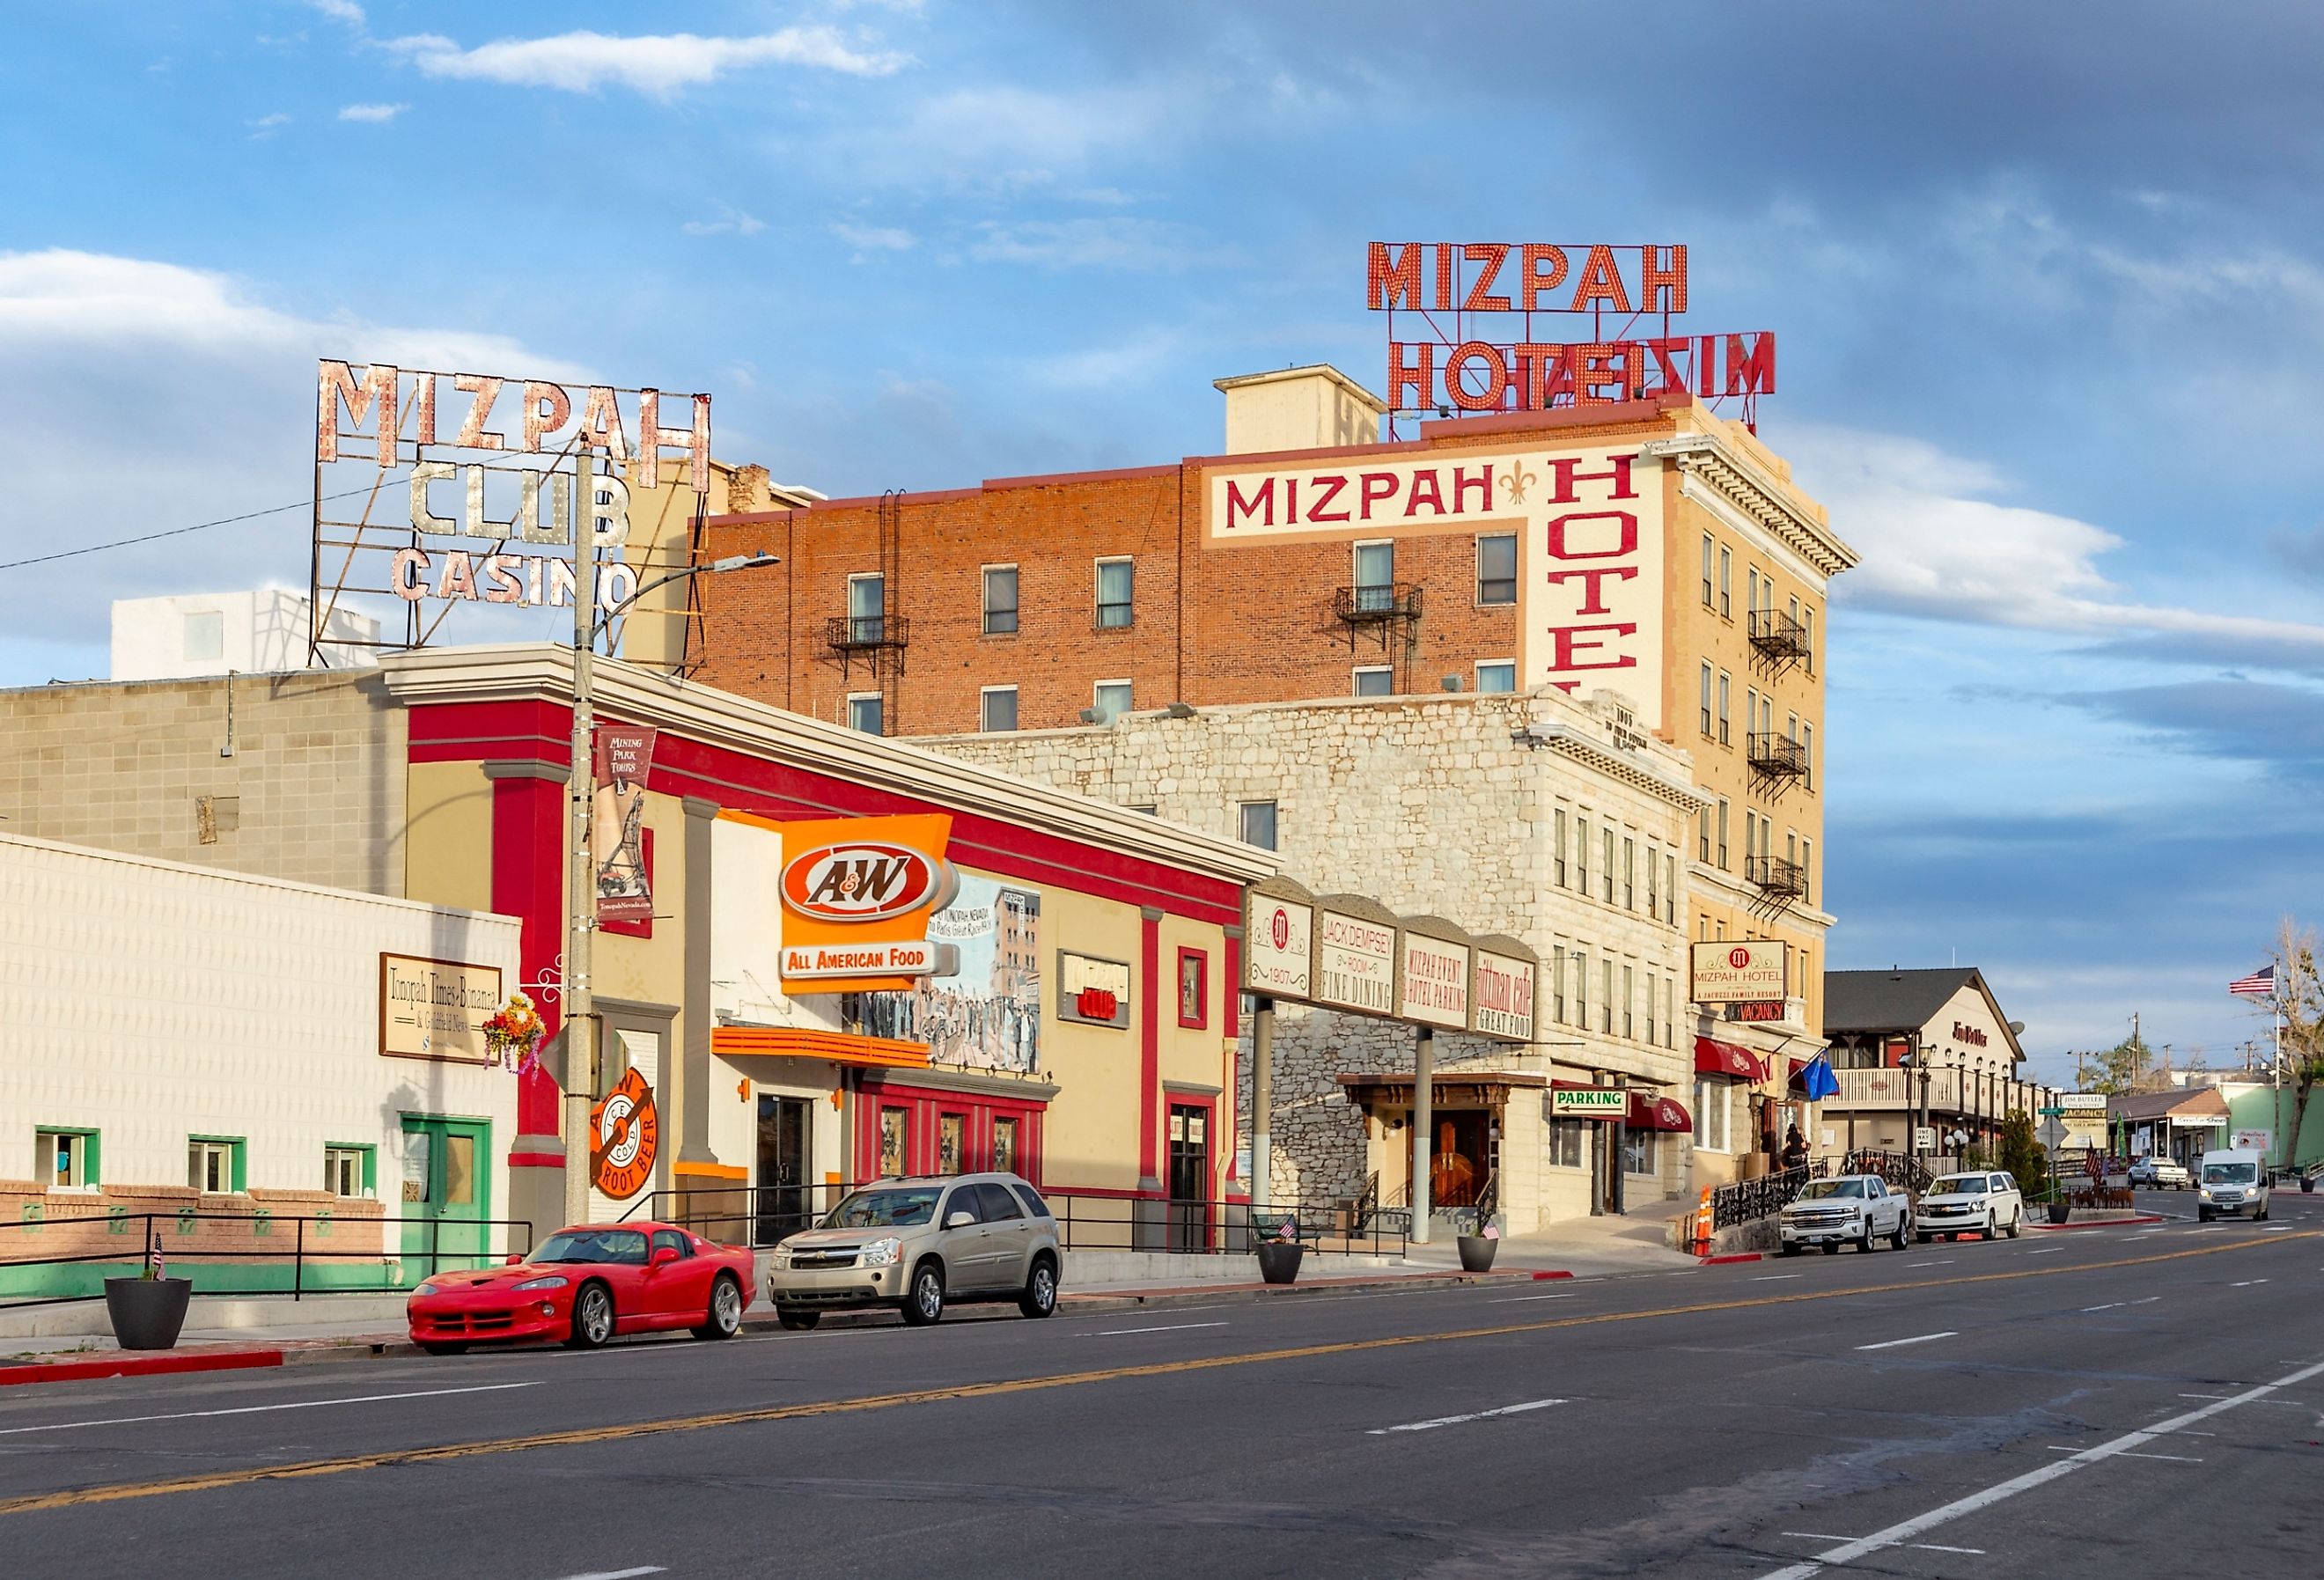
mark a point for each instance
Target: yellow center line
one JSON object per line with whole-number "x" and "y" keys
{"x": 580, "y": 1436}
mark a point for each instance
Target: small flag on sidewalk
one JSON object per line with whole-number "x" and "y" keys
{"x": 2259, "y": 985}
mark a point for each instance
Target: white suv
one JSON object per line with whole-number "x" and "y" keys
{"x": 1965, "y": 1203}
{"x": 1851, "y": 1209}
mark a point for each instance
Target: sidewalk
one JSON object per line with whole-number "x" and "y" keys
{"x": 1587, "y": 1247}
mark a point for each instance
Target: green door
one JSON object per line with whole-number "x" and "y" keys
{"x": 446, "y": 1194}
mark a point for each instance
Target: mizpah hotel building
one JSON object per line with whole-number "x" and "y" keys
{"x": 1644, "y": 563}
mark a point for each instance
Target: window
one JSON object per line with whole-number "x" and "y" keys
{"x": 1558, "y": 849}
{"x": 1654, "y": 889}
{"x": 1110, "y": 699}
{"x": 1751, "y": 588}
{"x": 1649, "y": 985}
{"x": 1706, "y": 570}
{"x": 995, "y": 1205}
{"x": 1000, "y": 600}
{"x": 1033, "y": 1205}
{"x": 1581, "y": 854}
{"x": 1566, "y": 1142}
{"x": 1807, "y": 636}
{"x": 1606, "y": 868}
{"x": 996, "y": 709}
{"x": 1113, "y": 594}
{"x": 1254, "y": 824}
{"x": 1807, "y": 755}
{"x": 1638, "y": 1151}
{"x": 1630, "y": 874}
{"x": 1724, "y": 685}
{"x": 1722, "y": 834}
{"x": 1557, "y": 983}
{"x": 1629, "y": 1002}
{"x": 867, "y": 711}
{"x": 1496, "y": 675}
{"x": 206, "y": 636}
{"x": 1726, "y": 583}
{"x": 867, "y": 607}
{"x": 1702, "y": 834}
{"x": 952, "y": 1145}
{"x": 1670, "y": 1014}
{"x": 1670, "y": 891}
{"x": 349, "y": 1172}
{"x": 895, "y": 1127}
{"x": 1807, "y": 871}
{"x": 1193, "y": 996}
{"x": 1582, "y": 989}
{"x": 1497, "y": 568}
{"x": 1375, "y": 576}
{"x": 1706, "y": 696}
{"x": 66, "y": 1160}
{"x": 1710, "y": 1114}
{"x": 214, "y": 1164}
{"x": 1606, "y": 996}
{"x": 1750, "y": 711}
{"x": 1376, "y": 680}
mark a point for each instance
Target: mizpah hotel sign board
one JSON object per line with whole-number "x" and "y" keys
{"x": 1346, "y": 952}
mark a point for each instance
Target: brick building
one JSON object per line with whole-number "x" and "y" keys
{"x": 1650, "y": 548}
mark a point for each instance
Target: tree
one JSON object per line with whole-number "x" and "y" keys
{"x": 2121, "y": 1067}
{"x": 2300, "y": 1005}
{"x": 2023, "y": 1155}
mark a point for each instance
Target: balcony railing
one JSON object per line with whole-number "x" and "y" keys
{"x": 1778, "y": 756}
{"x": 865, "y": 632}
{"x": 1372, "y": 603}
{"x": 1775, "y": 876}
{"x": 1778, "y": 636}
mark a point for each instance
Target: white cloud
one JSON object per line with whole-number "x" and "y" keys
{"x": 1112, "y": 242}
{"x": 732, "y": 221}
{"x": 345, "y": 11}
{"x": 659, "y": 65}
{"x": 874, "y": 238}
{"x": 1934, "y": 547}
{"x": 372, "y": 111}
{"x": 265, "y": 127}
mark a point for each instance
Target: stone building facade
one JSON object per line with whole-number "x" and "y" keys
{"x": 1495, "y": 812}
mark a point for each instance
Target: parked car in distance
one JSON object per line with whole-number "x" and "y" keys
{"x": 918, "y": 1244}
{"x": 585, "y": 1284}
{"x": 1982, "y": 1202}
{"x": 2232, "y": 1185}
{"x": 1848, "y": 1209}
{"x": 2154, "y": 1172}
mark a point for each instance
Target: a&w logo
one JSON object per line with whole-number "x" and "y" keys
{"x": 864, "y": 881}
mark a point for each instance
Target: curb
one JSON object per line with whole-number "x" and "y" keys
{"x": 1733, "y": 1256}
{"x": 37, "y": 1371}
{"x": 2098, "y": 1223}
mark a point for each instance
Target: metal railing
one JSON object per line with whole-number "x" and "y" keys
{"x": 1368, "y": 601}
{"x": 287, "y": 1255}
{"x": 1774, "y": 874}
{"x": 763, "y": 1217}
{"x": 1774, "y": 754}
{"x": 1778, "y": 635}
{"x": 1901, "y": 1171}
{"x": 849, "y": 632}
{"x": 1746, "y": 1200}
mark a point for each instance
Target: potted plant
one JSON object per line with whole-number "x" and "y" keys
{"x": 1477, "y": 1250}
{"x": 1280, "y": 1252}
{"x": 148, "y": 1311}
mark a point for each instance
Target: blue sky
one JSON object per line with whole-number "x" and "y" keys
{"x": 2047, "y": 282}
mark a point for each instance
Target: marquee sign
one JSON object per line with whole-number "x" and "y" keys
{"x": 1502, "y": 1004}
{"x": 1500, "y": 326}
{"x": 1434, "y": 985}
{"x": 1735, "y": 971}
{"x": 857, "y": 895}
{"x": 1355, "y": 963}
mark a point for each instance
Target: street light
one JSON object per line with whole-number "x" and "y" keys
{"x": 580, "y": 899}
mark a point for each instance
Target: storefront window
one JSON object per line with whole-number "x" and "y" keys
{"x": 1191, "y": 993}
{"x": 894, "y": 1129}
{"x": 951, "y": 1141}
{"x": 1710, "y": 1114}
{"x": 1004, "y": 1145}
{"x": 1639, "y": 1152}
{"x": 1565, "y": 1142}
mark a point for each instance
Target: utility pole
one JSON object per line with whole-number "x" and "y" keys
{"x": 1262, "y": 1101}
{"x": 1424, "y": 1118}
{"x": 580, "y": 886}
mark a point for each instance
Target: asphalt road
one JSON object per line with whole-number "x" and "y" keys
{"x": 2103, "y": 1403}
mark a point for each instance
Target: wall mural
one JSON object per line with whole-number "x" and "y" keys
{"x": 989, "y": 1016}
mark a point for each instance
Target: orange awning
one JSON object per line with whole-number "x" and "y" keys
{"x": 808, "y": 1043}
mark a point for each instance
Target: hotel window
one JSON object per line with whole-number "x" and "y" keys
{"x": 1670, "y": 1014}
{"x": 1566, "y": 1142}
{"x": 996, "y": 709}
{"x": 1710, "y": 1114}
{"x": 1581, "y": 854}
{"x": 867, "y": 607}
{"x": 1630, "y": 874}
{"x": 1807, "y": 755}
{"x": 1376, "y": 680}
{"x": 1496, "y": 675}
{"x": 65, "y": 1159}
{"x": 1706, "y": 570}
{"x": 1113, "y": 594}
{"x": 1254, "y": 824}
{"x": 1582, "y": 989}
{"x": 1375, "y": 576}
{"x": 1722, "y": 833}
{"x": 1791, "y": 606}
{"x": 867, "y": 711}
{"x": 1497, "y": 568}
{"x": 1000, "y": 600}
{"x": 1751, "y": 589}
{"x": 1702, "y": 834}
{"x": 1606, "y": 868}
{"x": 1629, "y": 1002}
{"x": 348, "y": 1170}
{"x": 1670, "y": 891}
{"x": 1807, "y": 636}
{"x": 1638, "y": 1151}
{"x": 206, "y": 636}
{"x": 1559, "y": 848}
{"x": 1750, "y": 712}
{"x": 1726, "y": 583}
{"x": 1807, "y": 873}
{"x": 1557, "y": 983}
{"x": 1649, "y": 985}
{"x": 1766, "y": 715}
{"x": 1724, "y": 691}
{"x": 1706, "y": 696}
{"x": 214, "y": 1164}
{"x": 1109, "y": 699}
{"x": 1654, "y": 889}
{"x": 1606, "y": 996}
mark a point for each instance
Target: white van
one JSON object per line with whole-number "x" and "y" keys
{"x": 2233, "y": 1183}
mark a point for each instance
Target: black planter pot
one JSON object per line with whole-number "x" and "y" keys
{"x": 1477, "y": 1252}
{"x": 147, "y": 1313}
{"x": 1278, "y": 1259}
{"x": 2060, "y": 1211}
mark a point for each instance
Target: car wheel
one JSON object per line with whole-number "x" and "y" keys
{"x": 1896, "y": 1241}
{"x": 2016, "y": 1223}
{"x": 2202, "y": 1214}
{"x": 725, "y": 1313}
{"x": 926, "y": 1301}
{"x": 2260, "y": 1216}
{"x": 796, "y": 1320}
{"x": 444, "y": 1349}
{"x": 1040, "y": 1296}
{"x": 593, "y": 1317}
{"x": 1831, "y": 1248}
{"x": 1790, "y": 1248}
{"x": 1922, "y": 1236}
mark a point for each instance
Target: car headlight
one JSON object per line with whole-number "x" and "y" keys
{"x": 554, "y": 1282}
{"x": 881, "y": 1252}
{"x": 777, "y": 1261}
{"x": 426, "y": 1289}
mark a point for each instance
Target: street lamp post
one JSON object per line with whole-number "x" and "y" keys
{"x": 581, "y": 1061}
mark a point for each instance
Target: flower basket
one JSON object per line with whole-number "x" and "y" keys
{"x": 513, "y": 1033}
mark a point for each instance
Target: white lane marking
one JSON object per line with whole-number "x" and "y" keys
{"x": 254, "y": 1410}
{"x": 2046, "y": 1251}
{"x": 1771, "y": 1278}
{"x": 620, "y": 1574}
{"x": 2149, "y": 1300}
{"x": 2277, "y": 1229}
{"x": 1510, "y": 1299}
{"x": 1507, "y": 1409}
{"x": 1904, "y": 1532}
{"x": 2246, "y": 1283}
{"x": 2110, "y": 1305}
{"x": 1170, "y": 1327}
{"x": 1920, "y": 1339}
{"x": 1940, "y": 1262}
{"x": 2125, "y": 1454}
{"x": 1926, "y": 1546}
{"x": 2203, "y": 1396}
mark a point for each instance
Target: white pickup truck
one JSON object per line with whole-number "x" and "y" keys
{"x": 1849, "y": 1209}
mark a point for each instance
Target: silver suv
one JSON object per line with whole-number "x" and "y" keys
{"x": 916, "y": 1244}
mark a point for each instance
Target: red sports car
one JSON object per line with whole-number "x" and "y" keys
{"x": 586, "y": 1284}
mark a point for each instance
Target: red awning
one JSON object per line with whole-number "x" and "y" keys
{"x": 1658, "y": 1113}
{"x": 1713, "y": 1058}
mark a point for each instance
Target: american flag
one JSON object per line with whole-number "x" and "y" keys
{"x": 2259, "y": 985}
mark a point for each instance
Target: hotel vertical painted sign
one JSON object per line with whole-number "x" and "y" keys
{"x": 1501, "y": 1005}
{"x": 1434, "y": 984}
